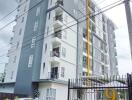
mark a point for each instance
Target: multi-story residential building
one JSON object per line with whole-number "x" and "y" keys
{"x": 112, "y": 48}
{"x": 50, "y": 46}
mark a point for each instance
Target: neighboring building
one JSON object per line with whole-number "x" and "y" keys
{"x": 112, "y": 48}
{"x": 49, "y": 47}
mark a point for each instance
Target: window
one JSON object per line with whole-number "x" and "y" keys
{"x": 62, "y": 71}
{"x": 103, "y": 70}
{"x": 65, "y": 34}
{"x": 102, "y": 57}
{"x": 38, "y": 11}
{"x": 47, "y": 29}
{"x": 35, "y": 25}
{"x": 12, "y": 73}
{"x": 20, "y": 31}
{"x": 51, "y": 94}
{"x": 63, "y": 52}
{"x": 49, "y": 16}
{"x": 22, "y": 20}
{"x": 84, "y": 61}
{"x": 14, "y": 59}
{"x": 97, "y": 54}
{"x": 84, "y": 32}
{"x": 43, "y": 66}
{"x": 50, "y": 2}
{"x": 17, "y": 45}
{"x": 30, "y": 62}
{"x": 33, "y": 42}
{"x": 45, "y": 48}
{"x": 84, "y": 46}
{"x": 25, "y": 8}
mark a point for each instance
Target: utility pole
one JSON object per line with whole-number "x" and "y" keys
{"x": 129, "y": 21}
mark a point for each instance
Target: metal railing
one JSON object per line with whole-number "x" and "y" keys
{"x": 58, "y": 34}
{"x": 53, "y": 75}
{"x": 58, "y": 17}
{"x": 100, "y": 88}
{"x": 59, "y": 2}
{"x": 55, "y": 54}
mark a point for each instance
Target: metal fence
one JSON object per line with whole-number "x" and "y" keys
{"x": 100, "y": 88}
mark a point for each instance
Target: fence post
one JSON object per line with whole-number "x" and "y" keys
{"x": 129, "y": 83}
{"x": 68, "y": 89}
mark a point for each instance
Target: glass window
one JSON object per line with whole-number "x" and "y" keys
{"x": 43, "y": 66}
{"x": 65, "y": 34}
{"x": 17, "y": 45}
{"x": 84, "y": 46}
{"x": 20, "y": 31}
{"x": 38, "y": 11}
{"x": 12, "y": 73}
{"x": 33, "y": 42}
{"x": 97, "y": 54}
{"x": 30, "y": 62}
{"x": 62, "y": 71}
{"x": 97, "y": 68}
{"x": 49, "y": 16}
{"x": 103, "y": 70}
{"x": 102, "y": 57}
{"x": 25, "y": 8}
{"x": 45, "y": 47}
{"x": 35, "y": 25}
{"x": 22, "y": 20}
{"x": 51, "y": 94}
{"x": 84, "y": 61}
{"x": 14, "y": 59}
{"x": 63, "y": 52}
{"x": 96, "y": 42}
{"x": 47, "y": 29}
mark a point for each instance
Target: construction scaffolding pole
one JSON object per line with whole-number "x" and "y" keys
{"x": 129, "y": 21}
{"x": 88, "y": 37}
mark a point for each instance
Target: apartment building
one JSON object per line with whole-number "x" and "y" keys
{"x": 50, "y": 46}
{"x": 112, "y": 48}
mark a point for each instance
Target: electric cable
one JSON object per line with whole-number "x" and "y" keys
{"x": 80, "y": 21}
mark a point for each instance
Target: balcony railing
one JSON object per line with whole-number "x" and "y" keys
{"x": 55, "y": 54}
{"x": 58, "y": 34}
{"x": 59, "y": 17}
{"x": 53, "y": 75}
{"x": 59, "y": 2}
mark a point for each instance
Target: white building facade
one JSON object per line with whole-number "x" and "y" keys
{"x": 49, "y": 47}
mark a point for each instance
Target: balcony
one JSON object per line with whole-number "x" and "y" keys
{"x": 59, "y": 2}
{"x": 58, "y": 34}
{"x": 55, "y": 56}
{"x": 58, "y": 21}
{"x": 57, "y": 38}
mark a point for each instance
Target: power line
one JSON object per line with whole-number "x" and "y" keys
{"x": 21, "y": 15}
{"x": 75, "y": 23}
{"x": 59, "y": 27}
{"x": 101, "y": 2}
{"x": 12, "y": 11}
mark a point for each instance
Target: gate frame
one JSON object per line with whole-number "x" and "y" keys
{"x": 128, "y": 86}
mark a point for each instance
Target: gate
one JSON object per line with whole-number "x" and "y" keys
{"x": 100, "y": 88}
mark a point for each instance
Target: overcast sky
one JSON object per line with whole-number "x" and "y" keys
{"x": 117, "y": 15}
